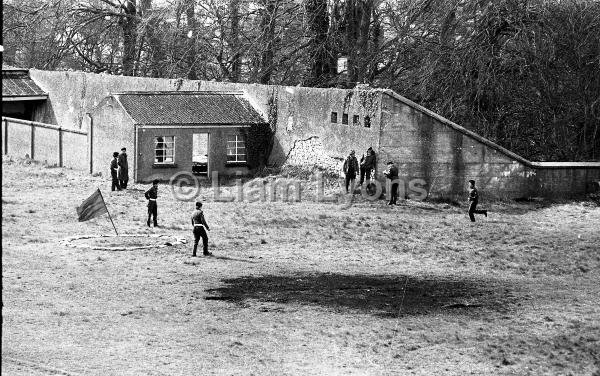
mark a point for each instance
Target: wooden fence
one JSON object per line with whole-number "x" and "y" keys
{"x": 64, "y": 147}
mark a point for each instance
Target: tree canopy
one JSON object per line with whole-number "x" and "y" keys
{"x": 524, "y": 73}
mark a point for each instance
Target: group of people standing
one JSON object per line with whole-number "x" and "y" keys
{"x": 119, "y": 170}
{"x": 365, "y": 169}
{"x": 367, "y": 166}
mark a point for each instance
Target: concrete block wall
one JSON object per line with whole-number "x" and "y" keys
{"x": 425, "y": 148}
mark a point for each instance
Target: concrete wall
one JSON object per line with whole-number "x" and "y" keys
{"x": 424, "y": 145}
{"x": 425, "y": 148}
{"x": 295, "y": 113}
{"x": 112, "y": 130}
{"x": 567, "y": 181}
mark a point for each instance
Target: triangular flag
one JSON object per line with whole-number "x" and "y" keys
{"x": 93, "y": 206}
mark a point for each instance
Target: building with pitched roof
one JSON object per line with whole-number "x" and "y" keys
{"x": 21, "y": 96}
{"x": 199, "y": 132}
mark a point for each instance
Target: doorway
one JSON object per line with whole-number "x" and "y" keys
{"x": 200, "y": 154}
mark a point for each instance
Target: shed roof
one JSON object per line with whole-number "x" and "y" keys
{"x": 17, "y": 85}
{"x": 189, "y": 108}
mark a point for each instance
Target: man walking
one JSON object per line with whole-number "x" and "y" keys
{"x": 200, "y": 228}
{"x": 151, "y": 195}
{"x": 123, "y": 169}
{"x": 113, "y": 172}
{"x": 391, "y": 173}
{"x": 350, "y": 170}
{"x": 474, "y": 200}
{"x": 367, "y": 165}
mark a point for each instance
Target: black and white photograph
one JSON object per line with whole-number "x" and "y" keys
{"x": 300, "y": 187}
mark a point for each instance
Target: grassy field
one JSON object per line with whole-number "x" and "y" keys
{"x": 296, "y": 288}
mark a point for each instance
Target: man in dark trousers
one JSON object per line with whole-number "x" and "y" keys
{"x": 391, "y": 173}
{"x": 350, "y": 170}
{"x": 200, "y": 228}
{"x": 123, "y": 169}
{"x": 151, "y": 195}
{"x": 367, "y": 165}
{"x": 114, "y": 166}
{"x": 474, "y": 199}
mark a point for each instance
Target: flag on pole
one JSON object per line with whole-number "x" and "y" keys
{"x": 92, "y": 207}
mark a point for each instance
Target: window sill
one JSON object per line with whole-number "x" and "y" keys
{"x": 164, "y": 165}
{"x": 236, "y": 164}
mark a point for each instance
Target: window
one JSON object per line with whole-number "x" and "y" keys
{"x": 236, "y": 149}
{"x": 344, "y": 118}
{"x": 164, "y": 149}
{"x": 355, "y": 120}
{"x": 334, "y": 117}
{"x": 367, "y": 122}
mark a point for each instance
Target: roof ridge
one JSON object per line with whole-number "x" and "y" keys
{"x": 174, "y": 92}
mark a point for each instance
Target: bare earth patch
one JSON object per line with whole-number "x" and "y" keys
{"x": 294, "y": 288}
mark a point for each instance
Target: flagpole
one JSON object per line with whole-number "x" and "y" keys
{"x": 109, "y": 216}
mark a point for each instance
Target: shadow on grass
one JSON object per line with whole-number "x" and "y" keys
{"x": 388, "y": 296}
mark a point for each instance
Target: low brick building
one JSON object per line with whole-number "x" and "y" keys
{"x": 170, "y": 132}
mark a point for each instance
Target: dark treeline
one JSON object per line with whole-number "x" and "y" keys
{"x": 523, "y": 73}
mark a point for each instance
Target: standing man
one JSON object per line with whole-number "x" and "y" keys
{"x": 151, "y": 195}
{"x": 123, "y": 169}
{"x": 113, "y": 172}
{"x": 474, "y": 200}
{"x": 391, "y": 173}
{"x": 200, "y": 228}
{"x": 350, "y": 170}
{"x": 367, "y": 165}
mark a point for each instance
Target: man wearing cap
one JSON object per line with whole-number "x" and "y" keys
{"x": 151, "y": 195}
{"x": 200, "y": 228}
{"x": 350, "y": 170}
{"x": 473, "y": 201}
{"x": 391, "y": 173}
{"x": 367, "y": 165}
{"x": 114, "y": 166}
{"x": 123, "y": 169}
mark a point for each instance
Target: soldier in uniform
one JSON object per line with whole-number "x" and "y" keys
{"x": 114, "y": 166}
{"x": 200, "y": 228}
{"x": 151, "y": 195}
{"x": 473, "y": 200}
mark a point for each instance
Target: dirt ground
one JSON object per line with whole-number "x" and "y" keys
{"x": 296, "y": 288}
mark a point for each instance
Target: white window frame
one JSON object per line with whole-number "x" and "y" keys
{"x": 239, "y": 142}
{"x": 165, "y": 142}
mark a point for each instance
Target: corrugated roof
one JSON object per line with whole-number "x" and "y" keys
{"x": 17, "y": 83}
{"x": 189, "y": 108}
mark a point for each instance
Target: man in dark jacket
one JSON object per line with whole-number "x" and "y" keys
{"x": 350, "y": 170}
{"x": 113, "y": 172}
{"x": 391, "y": 173}
{"x": 151, "y": 195}
{"x": 367, "y": 165}
{"x": 123, "y": 169}
{"x": 200, "y": 228}
{"x": 473, "y": 201}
